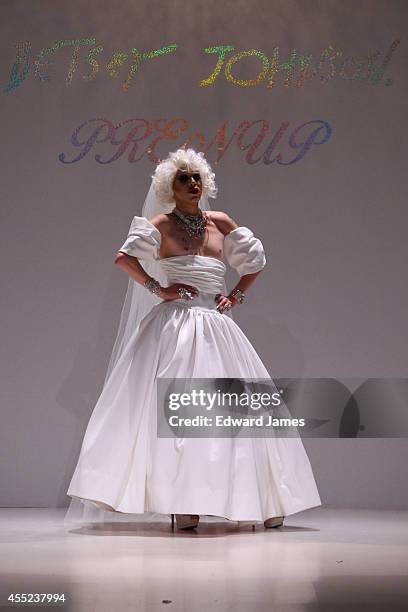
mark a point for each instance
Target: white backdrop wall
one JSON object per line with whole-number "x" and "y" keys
{"x": 304, "y": 123}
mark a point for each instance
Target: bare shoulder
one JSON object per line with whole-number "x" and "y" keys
{"x": 223, "y": 221}
{"x": 160, "y": 221}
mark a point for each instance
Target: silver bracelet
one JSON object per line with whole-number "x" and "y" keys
{"x": 153, "y": 285}
{"x": 238, "y": 295}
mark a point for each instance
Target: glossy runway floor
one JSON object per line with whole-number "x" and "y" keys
{"x": 322, "y": 559}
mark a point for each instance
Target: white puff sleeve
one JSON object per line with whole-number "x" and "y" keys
{"x": 244, "y": 251}
{"x": 143, "y": 240}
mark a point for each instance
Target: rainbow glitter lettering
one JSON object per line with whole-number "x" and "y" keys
{"x": 297, "y": 70}
{"x": 152, "y": 133}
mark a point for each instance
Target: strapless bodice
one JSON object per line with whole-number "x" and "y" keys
{"x": 201, "y": 271}
{"x": 205, "y": 273}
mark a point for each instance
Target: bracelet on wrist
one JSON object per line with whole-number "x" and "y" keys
{"x": 153, "y": 286}
{"x": 238, "y": 295}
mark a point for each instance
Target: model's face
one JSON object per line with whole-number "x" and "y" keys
{"x": 187, "y": 186}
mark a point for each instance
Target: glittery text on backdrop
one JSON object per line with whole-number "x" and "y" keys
{"x": 298, "y": 69}
{"x": 139, "y": 137}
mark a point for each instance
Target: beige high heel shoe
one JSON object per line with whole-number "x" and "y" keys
{"x": 187, "y": 521}
{"x": 274, "y": 521}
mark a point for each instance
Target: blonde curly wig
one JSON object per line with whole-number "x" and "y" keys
{"x": 182, "y": 159}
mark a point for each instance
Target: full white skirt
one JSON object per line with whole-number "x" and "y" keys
{"x": 123, "y": 465}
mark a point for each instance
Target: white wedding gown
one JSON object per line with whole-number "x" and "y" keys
{"x": 123, "y": 465}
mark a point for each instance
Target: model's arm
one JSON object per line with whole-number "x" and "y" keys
{"x": 226, "y": 224}
{"x": 130, "y": 263}
{"x": 132, "y": 267}
{"x": 244, "y": 283}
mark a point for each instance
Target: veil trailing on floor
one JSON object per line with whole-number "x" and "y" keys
{"x": 137, "y": 304}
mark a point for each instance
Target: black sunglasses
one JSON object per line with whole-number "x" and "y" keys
{"x": 183, "y": 178}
